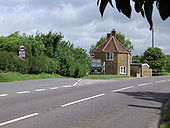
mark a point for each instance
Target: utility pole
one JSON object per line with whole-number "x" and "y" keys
{"x": 153, "y": 41}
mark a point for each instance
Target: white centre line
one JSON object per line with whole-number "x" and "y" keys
{"x": 122, "y": 89}
{"x": 23, "y": 92}
{"x": 3, "y": 95}
{"x": 160, "y": 81}
{"x": 18, "y": 119}
{"x": 40, "y": 90}
{"x": 53, "y": 88}
{"x": 144, "y": 84}
{"x": 85, "y": 99}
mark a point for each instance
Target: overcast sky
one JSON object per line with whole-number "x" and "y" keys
{"x": 80, "y": 22}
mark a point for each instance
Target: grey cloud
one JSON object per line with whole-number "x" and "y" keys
{"x": 80, "y": 21}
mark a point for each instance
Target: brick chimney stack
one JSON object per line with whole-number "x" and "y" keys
{"x": 108, "y": 35}
{"x": 113, "y": 32}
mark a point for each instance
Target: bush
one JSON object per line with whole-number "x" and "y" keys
{"x": 11, "y": 62}
{"x": 43, "y": 64}
{"x": 52, "y": 65}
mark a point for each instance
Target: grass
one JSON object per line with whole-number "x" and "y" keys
{"x": 105, "y": 76}
{"x": 10, "y": 76}
{"x": 165, "y": 126}
{"x": 166, "y": 118}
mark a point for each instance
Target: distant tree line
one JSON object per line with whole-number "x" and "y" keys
{"x": 47, "y": 53}
{"x": 155, "y": 57}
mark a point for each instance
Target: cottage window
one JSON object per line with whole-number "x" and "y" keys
{"x": 109, "y": 56}
{"x": 122, "y": 70}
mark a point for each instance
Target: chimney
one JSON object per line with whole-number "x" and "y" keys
{"x": 113, "y": 32}
{"x": 108, "y": 35}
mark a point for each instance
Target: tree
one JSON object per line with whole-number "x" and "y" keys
{"x": 155, "y": 58}
{"x": 126, "y": 42}
{"x": 136, "y": 59}
{"x": 120, "y": 36}
{"x": 145, "y": 7}
{"x": 101, "y": 40}
{"x": 168, "y": 63}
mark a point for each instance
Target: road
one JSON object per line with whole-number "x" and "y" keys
{"x": 74, "y": 103}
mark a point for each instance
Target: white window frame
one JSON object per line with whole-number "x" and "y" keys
{"x": 122, "y": 70}
{"x": 109, "y": 56}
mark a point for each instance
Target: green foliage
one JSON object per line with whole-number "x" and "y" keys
{"x": 82, "y": 62}
{"x": 121, "y": 37}
{"x": 51, "y": 41}
{"x": 167, "y": 68}
{"x": 43, "y": 64}
{"x": 165, "y": 125}
{"x": 155, "y": 58}
{"x": 126, "y": 42}
{"x": 11, "y": 43}
{"x": 14, "y": 76}
{"x": 136, "y": 59}
{"x": 44, "y": 53}
{"x": 11, "y": 62}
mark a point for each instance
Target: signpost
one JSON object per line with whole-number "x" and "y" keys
{"x": 22, "y": 51}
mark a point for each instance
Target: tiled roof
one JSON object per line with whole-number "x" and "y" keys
{"x": 112, "y": 45}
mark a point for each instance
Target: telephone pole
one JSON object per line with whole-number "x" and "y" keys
{"x": 153, "y": 36}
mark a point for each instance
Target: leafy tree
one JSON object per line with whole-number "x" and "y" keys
{"x": 126, "y": 42}
{"x": 155, "y": 58}
{"x": 11, "y": 43}
{"x": 121, "y": 37}
{"x": 136, "y": 59}
{"x": 101, "y": 40}
{"x": 82, "y": 62}
{"x": 51, "y": 41}
{"x": 145, "y": 7}
{"x": 168, "y": 63}
{"x": 45, "y": 53}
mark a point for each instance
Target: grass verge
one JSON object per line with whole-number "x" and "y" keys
{"x": 166, "y": 118}
{"x": 165, "y": 126}
{"x": 10, "y": 76}
{"x": 105, "y": 76}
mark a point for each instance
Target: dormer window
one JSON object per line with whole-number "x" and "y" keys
{"x": 110, "y": 56}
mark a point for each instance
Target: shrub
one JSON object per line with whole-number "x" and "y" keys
{"x": 43, "y": 64}
{"x": 11, "y": 62}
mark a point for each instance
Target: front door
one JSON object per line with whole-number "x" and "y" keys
{"x": 109, "y": 68}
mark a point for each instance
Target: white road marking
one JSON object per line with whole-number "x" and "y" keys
{"x": 68, "y": 86}
{"x": 160, "y": 81}
{"x": 144, "y": 84}
{"x": 122, "y": 89}
{"x": 18, "y": 119}
{"x": 23, "y": 92}
{"x": 85, "y": 99}
{"x": 40, "y": 90}
{"x": 79, "y": 80}
{"x": 75, "y": 84}
{"x": 3, "y": 95}
{"x": 53, "y": 88}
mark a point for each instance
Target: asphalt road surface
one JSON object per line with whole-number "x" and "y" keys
{"x": 74, "y": 103}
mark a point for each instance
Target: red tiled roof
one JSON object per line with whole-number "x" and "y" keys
{"x": 112, "y": 45}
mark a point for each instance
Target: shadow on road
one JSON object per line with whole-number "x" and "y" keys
{"x": 148, "y": 96}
